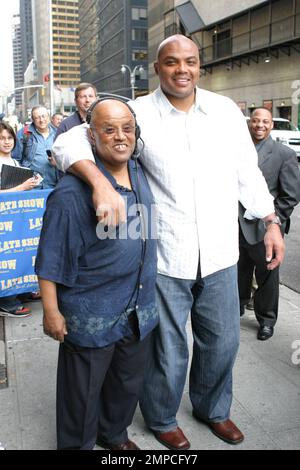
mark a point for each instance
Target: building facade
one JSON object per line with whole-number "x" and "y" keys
{"x": 114, "y": 33}
{"x": 26, "y": 32}
{"x": 17, "y": 61}
{"x": 56, "y": 45}
{"x": 65, "y": 30}
{"x": 249, "y": 50}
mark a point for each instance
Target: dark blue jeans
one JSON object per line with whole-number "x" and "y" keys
{"x": 214, "y": 306}
{"x": 10, "y": 302}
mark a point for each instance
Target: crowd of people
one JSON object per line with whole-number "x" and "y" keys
{"x": 31, "y": 147}
{"x": 119, "y": 304}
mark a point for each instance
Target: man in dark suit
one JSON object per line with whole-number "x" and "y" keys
{"x": 279, "y": 166}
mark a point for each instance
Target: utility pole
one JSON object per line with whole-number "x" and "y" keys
{"x": 51, "y": 81}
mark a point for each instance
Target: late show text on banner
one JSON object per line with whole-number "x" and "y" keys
{"x": 21, "y": 218}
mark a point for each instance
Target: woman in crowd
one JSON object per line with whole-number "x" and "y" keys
{"x": 11, "y": 306}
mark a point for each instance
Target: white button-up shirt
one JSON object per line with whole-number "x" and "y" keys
{"x": 198, "y": 164}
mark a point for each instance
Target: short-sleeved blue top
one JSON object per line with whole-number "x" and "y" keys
{"x": 99, "y": 280}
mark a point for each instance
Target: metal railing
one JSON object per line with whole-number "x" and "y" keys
{"x": 272, "y": 34}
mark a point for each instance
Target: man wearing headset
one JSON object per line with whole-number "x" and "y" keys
{"x": 197, "y": 181}
{"x": 98, "y": 290}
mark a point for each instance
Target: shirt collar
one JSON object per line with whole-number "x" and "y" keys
{"x": 166, "y": 107}
{"x": 79, "y": 116}
{"x": 109, "y": 176}
{"x": 262, "y": 143}
{"x": 201, "y": 101}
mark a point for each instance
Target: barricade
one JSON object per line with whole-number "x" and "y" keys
{"x": 21, "y": 218}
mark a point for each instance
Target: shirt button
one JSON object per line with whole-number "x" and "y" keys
{"x": 141, "y": 286}
{"x": 137, "y": 307}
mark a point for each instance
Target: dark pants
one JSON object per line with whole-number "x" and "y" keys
{"x": 10, "y": 302}
{"x": 266, "y": 297}
{"x": 98, "y": 391}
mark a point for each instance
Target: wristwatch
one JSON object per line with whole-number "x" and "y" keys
{"x": 275, "y": 220}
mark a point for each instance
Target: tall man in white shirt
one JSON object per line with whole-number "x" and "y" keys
{"x": 197, "y": 181}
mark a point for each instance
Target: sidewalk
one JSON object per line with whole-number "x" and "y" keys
{"x": 266, "y": 394}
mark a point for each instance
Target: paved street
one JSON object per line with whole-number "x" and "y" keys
{"x": 266, "y": 393}
{"x": 290, "y": 270}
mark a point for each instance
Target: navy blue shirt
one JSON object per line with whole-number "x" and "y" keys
{"x": 66, "y": 124}
{"x": 99, "y": 280}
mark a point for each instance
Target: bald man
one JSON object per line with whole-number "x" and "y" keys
{"x": 98, "y": 290}
{"x": 279, "y": 166}
{"x": 197, "y": 181}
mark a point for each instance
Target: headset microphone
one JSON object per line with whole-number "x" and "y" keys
{"x": 138, "y": 149}
{"x": 99, "y": 100}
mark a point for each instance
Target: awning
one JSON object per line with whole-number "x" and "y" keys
{"x": 190, "y": 17}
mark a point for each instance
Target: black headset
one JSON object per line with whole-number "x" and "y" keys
{"x": 135, "y": 156}
{"x": 99, "y": 100}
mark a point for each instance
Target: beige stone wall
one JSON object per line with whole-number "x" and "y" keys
{"x": 254, "y": 83}
{"x": 213, "y": 11}
{"x": 209, "y": 11}
{"x": 258, "y": 82}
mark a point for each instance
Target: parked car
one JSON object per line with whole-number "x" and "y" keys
{"x": 286, "y": 133}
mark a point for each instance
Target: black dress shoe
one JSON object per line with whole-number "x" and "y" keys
{"x": 265, "y": 332}
{"x": 128, "y": 445}
{"x": 250, "y": 304}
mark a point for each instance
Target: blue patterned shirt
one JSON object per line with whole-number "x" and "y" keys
{"x": 99, "y": 280}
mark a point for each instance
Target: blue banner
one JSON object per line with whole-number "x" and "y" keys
{"x": 21, "y": 217}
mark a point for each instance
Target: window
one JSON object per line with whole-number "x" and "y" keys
{"x": 222, "y": 44}
{"x": 143, "y": 13}
{"x": 139, "y": 35}
{"x": 139, "y": 14}
{"x": 139, "y": 55}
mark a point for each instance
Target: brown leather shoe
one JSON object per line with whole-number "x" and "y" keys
{"x": 174, "y": 440}
{"x": 227, "y": 431}
{"x": 128, "y": 445}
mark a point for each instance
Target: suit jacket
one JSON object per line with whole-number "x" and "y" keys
{"x": 279, "y": 166}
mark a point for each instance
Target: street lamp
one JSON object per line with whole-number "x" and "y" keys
{"x": 132, "y": 73}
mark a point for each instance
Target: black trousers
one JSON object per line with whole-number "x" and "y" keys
{"x": 98, "y": 391}
{"x": 266, "y": 297}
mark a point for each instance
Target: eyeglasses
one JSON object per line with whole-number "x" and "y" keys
{"x": 112, "y": 131}
{"x": 43, "y": 117}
